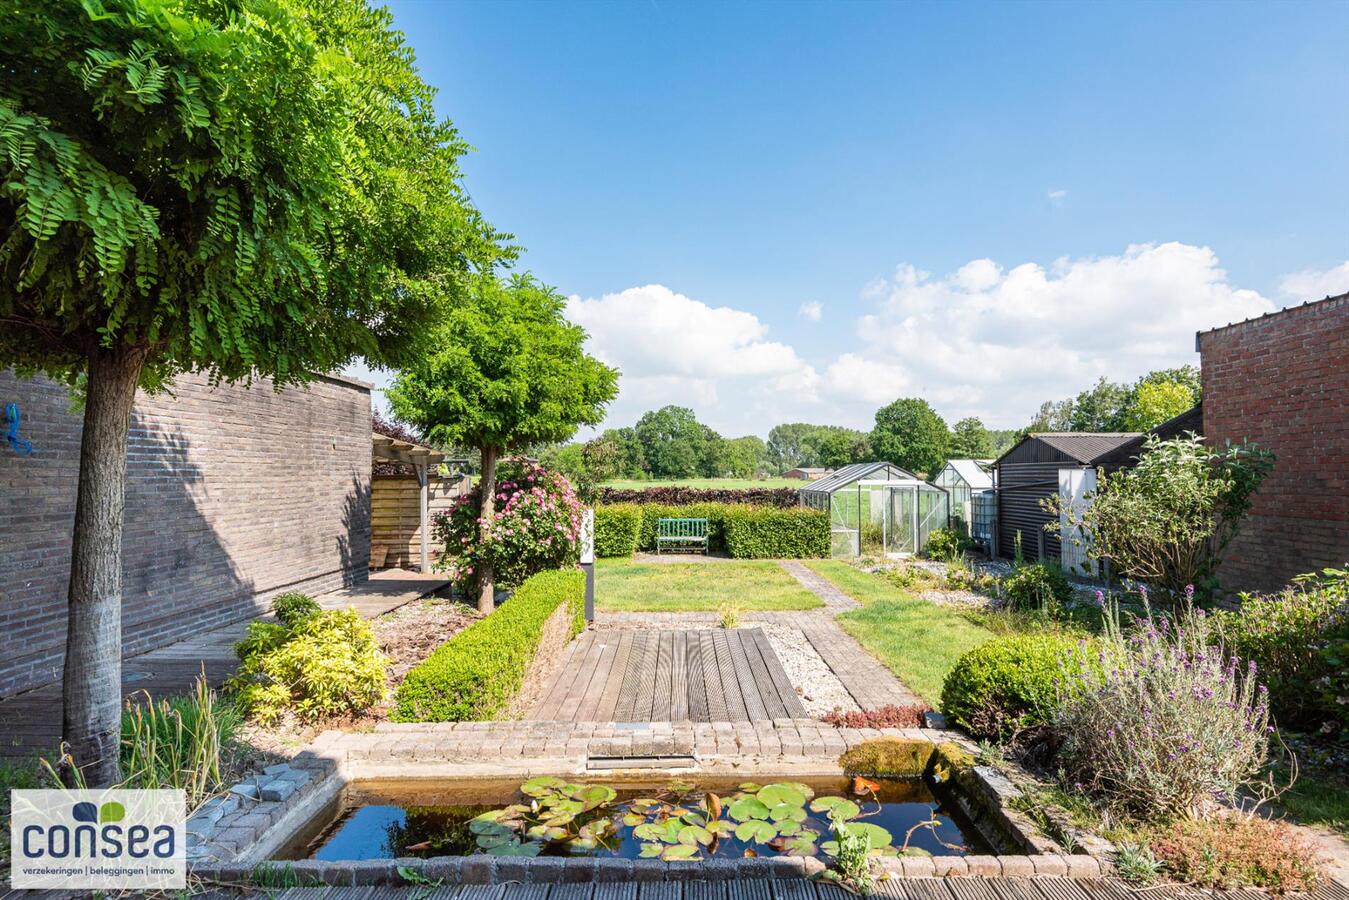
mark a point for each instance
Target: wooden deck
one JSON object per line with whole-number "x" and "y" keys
{"x": 30, "y": 722}
{"x": 648, "y": 675}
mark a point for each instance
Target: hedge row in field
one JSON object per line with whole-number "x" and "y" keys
{"x": 741, "y": 530}
{"x": 475, "y": 674}
{"x": 784, "y": 498}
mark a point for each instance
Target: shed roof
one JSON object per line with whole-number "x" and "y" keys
{"x": 1126, "y": 454}
{"x": 390, "y": 449}
{"x": 1084, "y": 447}
{"x": 974, "y": 471}
{"x": 855, "y": 472}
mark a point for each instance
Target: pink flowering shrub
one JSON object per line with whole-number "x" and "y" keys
{"x": 1169, "y": 721}
{"x": 536, "y": 526}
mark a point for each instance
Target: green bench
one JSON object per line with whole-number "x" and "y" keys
{"x": 681, "y": 534}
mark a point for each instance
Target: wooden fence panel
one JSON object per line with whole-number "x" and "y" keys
{"x": 395, "y": 517}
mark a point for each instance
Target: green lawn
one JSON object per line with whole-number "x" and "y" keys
{"x": 1316, "y": 798}
{"x": 917, "y": 640}
{"x": 624, "y": 585}
{"x": 718, "y": 483}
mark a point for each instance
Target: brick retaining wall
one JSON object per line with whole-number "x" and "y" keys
{"x": 233, "y": 494}
{"x": 1283, "y": 381}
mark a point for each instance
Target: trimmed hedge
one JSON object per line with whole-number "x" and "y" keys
{"x": 617, "y": 529}
{"x": 474, "y": 675}
{"x": 783, "y": 498}
{"x": 741, "y": 530}
{"x": 758, "y": 532}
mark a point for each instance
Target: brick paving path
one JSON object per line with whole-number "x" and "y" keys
{"x": 820, "y": 586}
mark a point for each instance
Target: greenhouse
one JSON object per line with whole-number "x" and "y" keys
{"x": 969, "y": 482}
{"x": 877, "y": 508}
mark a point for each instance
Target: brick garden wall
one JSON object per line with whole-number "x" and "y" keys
{"x": 233, "y": 495}
{"x": 1283, "y": 382}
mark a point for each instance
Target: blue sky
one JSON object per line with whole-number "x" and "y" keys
{"x": 701, "y": 176}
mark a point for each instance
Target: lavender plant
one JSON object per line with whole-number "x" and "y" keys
{"x": 1168, "y": 723}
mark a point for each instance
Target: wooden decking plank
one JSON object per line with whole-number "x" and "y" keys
{"x": 756, "y": 705}
{"x": 679, "y": 678}
{"x": 1106, "y": 889}
{"x": 793, "y": 889}
{"x": 646, "y": 680}
{"x": 972, "y": 889}
{"x": 660, "y": 679}
{"x": 481, "y": 892}
{"x": 589, "y": 709}
{"x": 705, "y": 890}
{"x": 659, "y": 890}
{"x": 632, "y": 679}
{"x": 716, "y": 693}
{"x": 786, "y": 691}
{"x": 749, "y": 889}
{"x": 580, "y": 688}
{"x": 927, "y": 888}
{"x": 1067, "y": 889}
{"x": 1330, "y": 889}
{"x": 516, "y": 891}
{"x": 761, "y": 667}
{"x": 697, "y": 692}
{"x": 619, "y": 890}
{"x": 562, "y": 679}
{"x": 827, "y": 891}
{"x": 574, "y": 891}
{"x": 1015, "y": 889}
{"x": 735, "y": 699}
{"x": 614, "y": 687}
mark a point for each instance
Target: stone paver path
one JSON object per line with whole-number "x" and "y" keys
{"x": 30, "y": 722}
{"x": 818, "y": 585}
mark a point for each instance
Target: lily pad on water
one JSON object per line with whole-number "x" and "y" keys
{"x": 650, "y": 831}
{"x": 787, "y": 812}
{"x": 680, "y": 851}
{"x": 780, "y": 794}
{"x": 694, "y": 834}
{"x": 747, "y": 808}
{"x": 541, "y": 786}
{"x": 650, "y": 851}
{"x": 755, "y": 830}
{"x": 877, "y": 835}
{"x": 516, "y": 848}
{"x": 595, "y": 795}
{"x": 836, "y": 807}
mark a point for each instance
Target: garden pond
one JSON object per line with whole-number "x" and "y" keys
{"x": 633, "y": 819}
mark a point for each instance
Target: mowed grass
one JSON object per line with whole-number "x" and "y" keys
{"x": 1317, "y": 798}
{"x": 917, "y": 640}
{"x": 708, "y": 483}
{"x": 622, "y": 585}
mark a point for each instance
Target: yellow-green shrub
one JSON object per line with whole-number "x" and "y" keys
{"x": 475, "y": 674}
{"x": 617, "y": 528}
{"x": 764, "y": 532}
{"x": 324, "y": 664}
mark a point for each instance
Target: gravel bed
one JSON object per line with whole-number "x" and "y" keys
{"x": 816, "y": 684}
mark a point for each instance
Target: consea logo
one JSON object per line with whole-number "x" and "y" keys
{"x": 98, "y": 839}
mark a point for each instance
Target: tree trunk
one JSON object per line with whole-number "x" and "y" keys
{"x": 92, "y": 684}
{"x": 487, "y": 509}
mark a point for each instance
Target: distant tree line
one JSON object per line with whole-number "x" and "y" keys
{"x": 1111, "y": 406}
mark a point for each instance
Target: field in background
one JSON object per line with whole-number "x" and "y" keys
{"x": 718, "y": 483}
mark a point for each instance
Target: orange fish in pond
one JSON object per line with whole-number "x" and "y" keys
{"x": 862, "y": 785}
{"x": 422, "y": 845}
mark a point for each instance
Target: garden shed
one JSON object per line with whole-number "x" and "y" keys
{"x": 969, "y": 483}
{"x": 1036, "y": 468}
{"x": 877, "y": 507}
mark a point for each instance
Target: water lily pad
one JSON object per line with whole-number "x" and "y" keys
{"x": 802, "y": 844}
{"x": 748, "y": 808}
{"x": 694, "y": 834}
{"x": 914, "y": 851}
{"x": 721, "y": 828}
{"x": 651, "y": 831}
{"x": 528, "y": 848}
{"x": 750, "y": 786}
{"x": 541, "y": 786}
{"x": 560, "y": 819}
{"x": 877, "y": 835}
{"x": 778, "y": 794}
{"x": 788, "y": 828}
{"x": 650, "y": 851}
{"x": 633, "y": 818}
{"x": 755, "y": 830}
{"x": 595, "y": 795}
{"x": 787, "y": 812}
{"x": 680, "y": 851}
{"x": 488, "y": 841}
{"x": 836, "y": 807}
{"x": 693, "y": 818}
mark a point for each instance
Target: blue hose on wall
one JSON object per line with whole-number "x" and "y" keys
{"x": 12, "y": 419}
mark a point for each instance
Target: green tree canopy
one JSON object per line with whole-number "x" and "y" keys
{"x": 507, "y": 371}
{"x": 910, "y": 434}
{"x": 674, "y": 442}
{"x": 746, "y": 456}
{"x": 246, "y": 188}
{"x": 971, "y": 440}
{"x": 1153, "y": 402}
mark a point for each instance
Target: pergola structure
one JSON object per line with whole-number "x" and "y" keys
{"x": 387, "y": 449}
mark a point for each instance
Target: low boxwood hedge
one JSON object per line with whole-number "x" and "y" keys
{"x": 475, "y": 674}
{"x": 617, "y": 528}
{"x": 761, "y": 532}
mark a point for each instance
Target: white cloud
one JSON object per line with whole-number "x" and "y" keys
{"x": 811, "y": 310}
{"x": 673, "y": 349}
{"x": 996, "y": 343}
{"x": 1312, "y": 285}
{"x": 1057, "y": 197}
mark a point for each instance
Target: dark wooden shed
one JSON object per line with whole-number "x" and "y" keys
{"x": 1126, "y": 455}
{"x": 1030, "y": 472}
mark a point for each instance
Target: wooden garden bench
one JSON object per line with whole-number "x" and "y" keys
{"x": 682, "y": 534}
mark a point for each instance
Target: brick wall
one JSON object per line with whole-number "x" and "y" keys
{"x": 1283, "y": 382}
{"x": 233, "y": 494}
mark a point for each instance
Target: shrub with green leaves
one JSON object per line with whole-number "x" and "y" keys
{"x": 1038, "y": 586}
{"x": 293, "y": 607}
{"x": 763, "y": 532}
{"x": 617, "y": 528}
{"x": 1009, "y": 684}
{"x": 945, "y": 543}
{"x": 323, "y": 664}
{"x": 475, "y": 675}
{"x": 1291, "y": 636}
